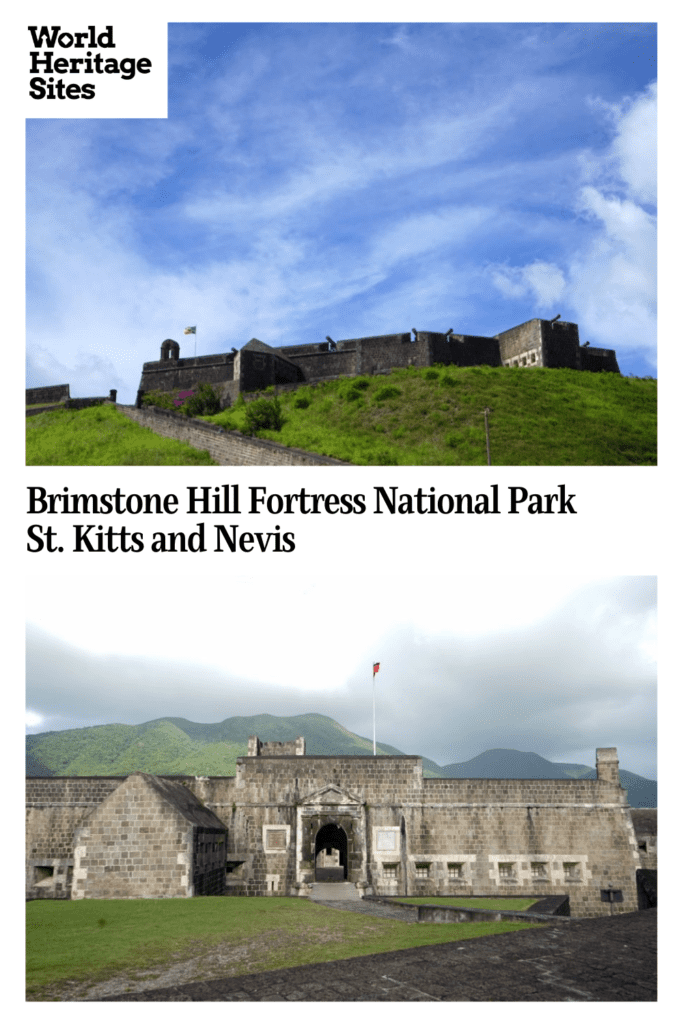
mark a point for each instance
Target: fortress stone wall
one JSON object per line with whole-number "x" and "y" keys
{"x": 226, "y": 447}
{"x": 49, "y": 395}
{"x": 550, "y": 343}
{"x": 286, "y": 818}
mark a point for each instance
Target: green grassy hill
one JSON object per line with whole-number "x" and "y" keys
{"x": 101, "y": 436}
{"x": 427, "y": 417}
{"x": 175, "y": 746}
{"x": 435, "y": 417}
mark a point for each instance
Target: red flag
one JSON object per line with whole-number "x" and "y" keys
{"x": 375, "y": 669}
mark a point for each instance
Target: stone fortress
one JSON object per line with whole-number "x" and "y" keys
{"x": 286, "y": 820}
{"x": 256, "y": 366}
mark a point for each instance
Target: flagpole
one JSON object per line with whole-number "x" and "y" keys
{"x": 374, "y": 744}
{"x": 375, "y": 670}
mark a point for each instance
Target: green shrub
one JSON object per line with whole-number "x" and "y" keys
{"x": 431, "y": 374}
{"x": 263, "y": 414}
{"x": 302, "y": 402}
{"x": 161, "y": 399}
{"x": 447, "y": 380}
{"x": 385, "y": 392}
{"x": 353, "y": 389}
{"x": 204, "y": 402}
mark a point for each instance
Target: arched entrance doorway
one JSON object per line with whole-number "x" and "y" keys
{"x": 331, "y": 854}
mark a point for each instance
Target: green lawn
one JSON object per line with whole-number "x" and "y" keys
{"x": 102, "y": 436}
{"x": 96, "y": 939}
{"x": 466, "y": 902}
{"x": 435, "y": 417}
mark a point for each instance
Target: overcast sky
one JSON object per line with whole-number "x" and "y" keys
{"x": 350, "y": 180}
{"x": 557, "y": 666}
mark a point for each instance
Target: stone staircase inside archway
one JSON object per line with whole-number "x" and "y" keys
{"x": 332, "y": 892}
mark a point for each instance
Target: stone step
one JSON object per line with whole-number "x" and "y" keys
{"x": 334, "y": 891}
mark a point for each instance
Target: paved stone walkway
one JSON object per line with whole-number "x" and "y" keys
{"x": 607, "y": 959}
{"x": 345, "y": 896}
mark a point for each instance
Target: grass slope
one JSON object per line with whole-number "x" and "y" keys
{"x": 160, "y": 748}
{"x": 102, "y": 436}
{"x": 97, "y": 939}
{"x": 435, "y": 417}
{"x": 175, "y": 746}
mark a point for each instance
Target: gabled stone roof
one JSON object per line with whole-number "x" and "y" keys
{"x": 183, "y": 801}
{"x": 255, "y": 345}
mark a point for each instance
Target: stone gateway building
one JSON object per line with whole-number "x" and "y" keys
{"x": 256, "y": 366}
{"x": 286, "y": 820}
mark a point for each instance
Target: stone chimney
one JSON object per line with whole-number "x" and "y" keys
{"x": 273, "y": 748}
{"x": 607, "y": 765}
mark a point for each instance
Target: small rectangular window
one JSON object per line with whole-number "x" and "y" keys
{"x": 422, "y": 870}
{"x": 390, "y": 870}
{"x": 456, "y": 872}
{"x": 539, "y": 869}
{"x": 506, "y": 871}
{"x": 572, "y": 871}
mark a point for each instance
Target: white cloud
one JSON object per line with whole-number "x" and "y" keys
{"x": 327, "y": 176}
{"x": 534, "y": 663}
{"x": 613, "y": 282}
{"x": 543, "y": 282}
{"x": 632, "y": 156}
{"x": 609, "y": 284}
{"x": 141, "y": 629}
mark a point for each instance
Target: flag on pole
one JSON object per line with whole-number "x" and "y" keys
{"x": 375, "y": 669}
{"x": 190, "y": 330}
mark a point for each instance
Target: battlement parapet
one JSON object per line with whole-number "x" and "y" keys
{"x": 287, "y": 818}
{"x": 257, "y": 365}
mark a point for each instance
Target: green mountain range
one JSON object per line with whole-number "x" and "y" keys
{"x": 175, "y": 746}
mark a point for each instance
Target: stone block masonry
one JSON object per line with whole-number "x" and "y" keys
{"x": 49, "y": 395}
{"x": 257, "y": 365}
{"x": 150, "y": 838}
{"x": 274, "y": 828}
{"x": 226, "y": 447}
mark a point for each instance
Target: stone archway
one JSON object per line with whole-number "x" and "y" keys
{"x": 331, "y": 854}
{"x": 170, "y": 349}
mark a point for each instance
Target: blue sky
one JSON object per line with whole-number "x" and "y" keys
{"x": 350, "y": 180}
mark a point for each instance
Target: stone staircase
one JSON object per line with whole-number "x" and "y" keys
{"x": 334, "y": 892}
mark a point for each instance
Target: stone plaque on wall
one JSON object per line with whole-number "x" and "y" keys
{"x": 276, "y": 839}
{"x": 386, "y": 840}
